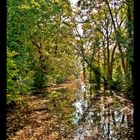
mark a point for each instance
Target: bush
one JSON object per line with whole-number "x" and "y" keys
{"x": 11, "y": 98}
{"x": 39, "y": 79}
{"x": 115, "y": 85}
{"x": 12, "y": 76}
{"x": 60, "y": 79}
{"x": 97, "y": 77}
{"x": 127, "y": 88}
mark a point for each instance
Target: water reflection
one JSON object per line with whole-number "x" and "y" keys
{"x": 82, "y": 115}
{"x": 80, "y": 104}
{"x": 101, "y": 121}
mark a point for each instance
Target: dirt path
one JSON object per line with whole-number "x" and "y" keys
{"x": 40, "y": 119}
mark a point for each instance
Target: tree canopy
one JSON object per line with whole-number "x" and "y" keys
{"x": 52, "y": 41}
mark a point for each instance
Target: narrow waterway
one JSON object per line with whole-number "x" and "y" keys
{"x": 74, "y": 111}
{"x": 101, "y": 117}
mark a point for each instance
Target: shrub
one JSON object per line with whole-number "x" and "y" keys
{"x": 115, "y": 85}
{"x": 38, "y": 79}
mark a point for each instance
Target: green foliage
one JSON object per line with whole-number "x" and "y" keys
{"x": 130, "y": 55}
{"x": 38, "y": 79}
{"x": 118, "y": 73}
{"x": 42, "y": 45}
{"x": 25, "y": 84}
{"x": 29, "y": 20}
{"x": 127, "y": 88}
{"x": 11, "y": 99}
{"x": 108, "y": 41}
{"x": 12, "y": 74}
{"x": 117, "y": 79}
{"x": 97, "y": 77}
{"x": 60, "y": 79}
{"x": 115, "y": 85}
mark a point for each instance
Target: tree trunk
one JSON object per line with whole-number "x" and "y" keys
{"x": 130, "y": 33}
{"x": 84, "y": 72}
{"x": 117, "y": 34}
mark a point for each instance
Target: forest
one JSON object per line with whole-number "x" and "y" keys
{"x": 70, "y": 69}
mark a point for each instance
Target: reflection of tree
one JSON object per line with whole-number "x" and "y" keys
{"x": 108, "y": 121}
{"x": 108, "y": 133}
{"x": 113, "y": 122}
{"x": 113, "y": 118}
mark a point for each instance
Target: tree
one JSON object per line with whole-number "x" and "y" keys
{"x": 105, "y": 22}
{"x": 38, "y": 34}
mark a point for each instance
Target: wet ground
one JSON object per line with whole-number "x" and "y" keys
{"x": 72, "y": 111}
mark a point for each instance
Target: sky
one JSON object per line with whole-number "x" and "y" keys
{"x": 79, "y": 27}
{"x": 73, "y": 2}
